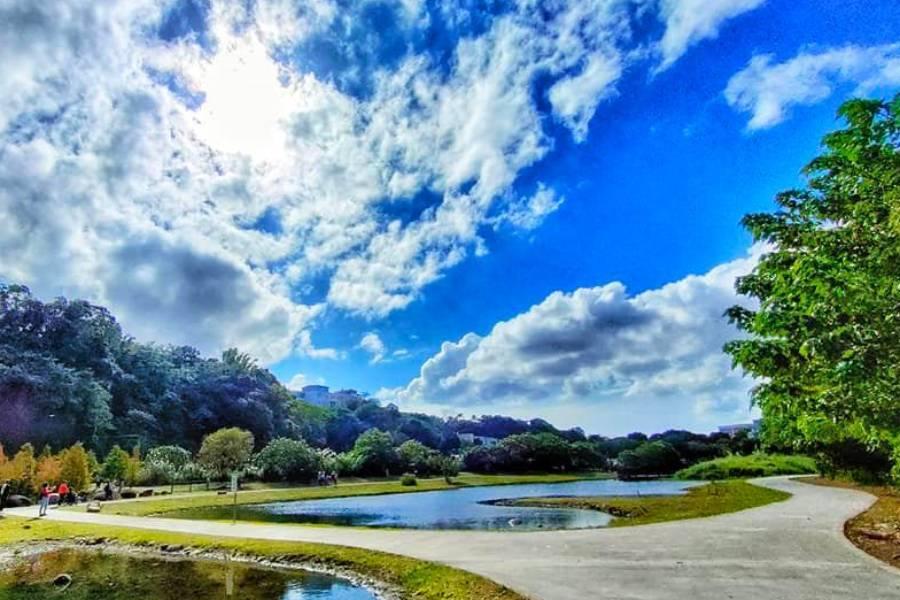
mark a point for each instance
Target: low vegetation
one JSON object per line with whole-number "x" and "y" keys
{"x": 754, "y": 465}
{"x": 413, "y": 578}
{"x": 704, "y": 501}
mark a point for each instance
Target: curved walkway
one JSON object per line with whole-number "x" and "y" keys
{"x": 792, "y": 550}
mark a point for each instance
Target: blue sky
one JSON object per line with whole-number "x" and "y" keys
{"x": 528, "y": 208}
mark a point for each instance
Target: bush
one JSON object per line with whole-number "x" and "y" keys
{"x": 754, "y": 465}
{"x": 408, "y": 479}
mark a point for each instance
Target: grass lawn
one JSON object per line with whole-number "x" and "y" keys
{"x": 159, "y": 505}
{"x": 412, "y": 578}
{"x": 877, "y": 530}
{"x": 704, "y": 501}
{"x": 753, "y": 465}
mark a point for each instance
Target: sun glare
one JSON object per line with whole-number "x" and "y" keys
{"x": 246, "y": 104}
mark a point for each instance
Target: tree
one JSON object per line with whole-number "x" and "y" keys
{"x": 373, "y": 453}
{"x": 650, "y": 458}
{"x": 413, "y": 456}
{"x": 226, "y": 451}
{"x": 825, "y": 340}
{"x": 287, "y": 460}
{"x": 75, "y": 467}
{"x": 115, "y": 467}
{"x": 168, "y": 462}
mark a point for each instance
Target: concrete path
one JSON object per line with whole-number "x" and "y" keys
{"x": 792, "y": 550}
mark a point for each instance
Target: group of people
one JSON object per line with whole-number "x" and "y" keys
{"x": 327, "y": 478}
{"x": 65, "y": 494}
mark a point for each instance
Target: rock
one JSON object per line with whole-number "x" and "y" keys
{"x": 62, "y": 581}
{"x": 16, "y": 501}
{"x": 171, "y": 548}
{"x": 877, "y": 535}
{"x": 146, "y": 493}
{"x": 222, "y": 492}
{"x": 129, "y": 494}
{"x": 94, "y": 507}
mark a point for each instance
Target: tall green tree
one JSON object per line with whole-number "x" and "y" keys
{"x": 825, "y": 338}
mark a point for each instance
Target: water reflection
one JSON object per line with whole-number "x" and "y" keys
{"x": 117, "y": 577}
{"x": 463, "y": 508}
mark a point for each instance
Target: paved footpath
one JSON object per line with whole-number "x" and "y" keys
{"x": 792, "y": 550}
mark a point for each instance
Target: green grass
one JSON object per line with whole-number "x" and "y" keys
{"x": 211, "y": 499}
{"x": 704, "y": 501}
{"x": 413, "y": 578}
{"x": 754, "y": 465}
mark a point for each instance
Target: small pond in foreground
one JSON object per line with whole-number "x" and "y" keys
{"x": 461, "y": 508}
{"x": 113, "y": 576}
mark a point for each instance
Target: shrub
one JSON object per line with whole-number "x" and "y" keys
{"x": 408, "y": 479}
{"x": 754, "y": 465}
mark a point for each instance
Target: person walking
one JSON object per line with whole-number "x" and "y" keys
{"x": 44, "y": 500}
{"x": 5, "y": 490}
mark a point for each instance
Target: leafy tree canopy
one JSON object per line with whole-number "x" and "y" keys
{"x": 825, "y": 338}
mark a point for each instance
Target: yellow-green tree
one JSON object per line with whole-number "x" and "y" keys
{"x": 75, "y": 467}
{"x": 22, "y": 470}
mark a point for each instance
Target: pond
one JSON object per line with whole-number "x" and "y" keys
{"x": 462, "y": 508}
{"x": 113, "y": 576}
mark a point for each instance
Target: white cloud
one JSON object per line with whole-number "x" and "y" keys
{"x": 372, "y": 344}
{"x": 528, "y": 213}
{"x": 599, "y": 347}
{"x": 690, "y": 21}
{"x": 575, "y": 98}
{"x": 126, "y": 158}
{"x": 768, "y": 90}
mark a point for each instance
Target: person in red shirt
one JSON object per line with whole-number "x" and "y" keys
{"x": 63, "y": 491}
{"x": 44, "y": 500}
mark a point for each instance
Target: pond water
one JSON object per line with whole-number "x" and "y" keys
{"x": 118, "y": 577}
{"x": 462, "y": 508}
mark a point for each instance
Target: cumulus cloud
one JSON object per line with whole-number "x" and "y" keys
{"x": 690, "y": 21}
{"x": 197, "y": 182}
{"x": 600, "y": 347}
{"x": 372, "y": 344}
{"x": 768, "y": 90}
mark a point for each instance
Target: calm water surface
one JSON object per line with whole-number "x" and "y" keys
{"x": 115, "y": 577}
{"x": 463, "y": 508}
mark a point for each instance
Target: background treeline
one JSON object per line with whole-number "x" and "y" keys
{"x": 70, "y": 378}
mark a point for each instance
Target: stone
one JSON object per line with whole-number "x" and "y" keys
{"x": 62, "y": 581}
{"x": 94, "y": 507}
{"x": 16, "y": 501}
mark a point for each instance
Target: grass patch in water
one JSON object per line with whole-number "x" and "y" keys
{"x": 411, "y": 577}
{"x": 211, "y": 499}
{"x": 704, "y": 501}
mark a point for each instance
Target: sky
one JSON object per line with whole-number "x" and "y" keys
{"x": 462, "y": 207}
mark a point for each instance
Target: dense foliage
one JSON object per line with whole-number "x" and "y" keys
{"x": 825, "y": 340}
{"x": 68, "y": 374}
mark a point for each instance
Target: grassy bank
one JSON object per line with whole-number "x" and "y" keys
{"x": 704, "y": 501}
{"x": 211, "y": 499}
{"x": 877, "y": 530}
{"x": 412, "y": 578}
{"x": 754, "y": 465}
